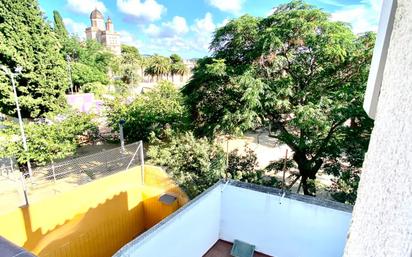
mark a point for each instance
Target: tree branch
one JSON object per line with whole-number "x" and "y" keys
{"x": 326, "y": 140}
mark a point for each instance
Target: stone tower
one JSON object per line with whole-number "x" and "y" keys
{"x": 103, "y": 32}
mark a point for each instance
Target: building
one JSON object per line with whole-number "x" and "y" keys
{"x": 103, "y": 32}
{"x": 382, "y": 216}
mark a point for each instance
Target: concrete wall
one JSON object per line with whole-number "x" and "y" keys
{"x": 382, "y": 218}
{"x": 282, "y": 226}
{"x": 95, "y": 219}
{"x": 189, "y": 233}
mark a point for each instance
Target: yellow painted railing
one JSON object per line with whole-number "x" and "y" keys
{"x": 95, "y": 219}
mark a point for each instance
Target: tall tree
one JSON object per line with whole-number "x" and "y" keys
{"x": 130, "y": 62}
{"x": 59, "y": 27}
{"x": 158, "y": 66}
{"x": 177, "y": 66}
{"x": 295, "y": 70}
{"x": 27, "y": 40}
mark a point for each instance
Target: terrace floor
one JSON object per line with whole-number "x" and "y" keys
{"x": 222, "y": 249}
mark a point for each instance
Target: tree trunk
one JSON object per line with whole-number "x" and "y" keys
{"x": 307, "y": 169}
{"x": 305, "y": 186}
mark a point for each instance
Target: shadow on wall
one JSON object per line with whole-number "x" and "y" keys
{"x": 94, "y": 220}
{"x": 98, "y": 232}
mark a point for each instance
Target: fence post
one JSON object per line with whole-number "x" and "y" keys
{"x": 23, "y": 185}
{"x": 142, "y": 161}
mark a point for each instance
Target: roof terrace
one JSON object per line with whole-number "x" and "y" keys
{"x": 277, "y": 224}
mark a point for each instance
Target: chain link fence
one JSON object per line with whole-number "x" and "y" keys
{"x": 56, "y": 177}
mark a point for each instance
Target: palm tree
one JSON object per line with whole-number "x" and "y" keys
{"x": 178, "y": 68}
{"x": 158, "y": 66}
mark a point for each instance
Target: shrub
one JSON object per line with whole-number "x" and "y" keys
{"x": 243, "y": 167}
{"x": 195, "y": 164}
{"x": 55, "y": 139}
{"x": 154, "y": 111}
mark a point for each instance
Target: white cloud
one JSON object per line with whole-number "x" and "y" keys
{"x": 205, "y": 24}
{"x": 203, "y": 30}
{"x": 76, "y": 28}
{"x": 189, "y": 45}
{"x": 128, "y": 38}
{"x": 223, "y": 23}
{"x": 176, "y": 27}
{"x": 231, "y": 6}
{"x": 85, "y": 6}
{"x": 362, "y": 17}
{"x": 141, "y": 10}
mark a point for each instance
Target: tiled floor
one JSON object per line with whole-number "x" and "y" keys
{"x": 222, "y": 249}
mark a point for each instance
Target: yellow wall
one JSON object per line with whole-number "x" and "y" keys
{"x": 95, "y": 219}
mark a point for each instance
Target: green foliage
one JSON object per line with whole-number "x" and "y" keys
{"x": 177, "y": 66}
{"x": 95, "y": 55}
{"x": 46, "y": 141}
{"x": 243, "y": 167}
{"x": 175, "y": 58}
{"x": 97, "y": 88}
{"x": 195, "y": 164}
{"x": 154, "y": 111}
{"x": 129, "y": 64}
{"x": 130, "y": 53}
{"x": 157, "y": 66}
{"x": 346, "y": 166}
{"x": 27, "y": 40}
{"x": 90, "y": 61}
{"x": 83, "y": 74}
{"x": 296, "y": 70}
{"x": 221, "y": 102}
{"x": 59, "y": 27}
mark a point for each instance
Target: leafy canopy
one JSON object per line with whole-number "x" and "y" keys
{"x": 154, "y": 111}
{"x": 195, "y": 164}
{"x": 49, "y": 141}
{"x": 296, "y": 71}
{"x": 27, "y": 40}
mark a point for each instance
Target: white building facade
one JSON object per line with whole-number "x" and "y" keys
{"x": 103, "y": 32}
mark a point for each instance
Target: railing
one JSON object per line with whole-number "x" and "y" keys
{"x": 66, "y": 175}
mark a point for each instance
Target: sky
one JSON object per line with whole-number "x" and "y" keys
{"x": 185, "y": 27}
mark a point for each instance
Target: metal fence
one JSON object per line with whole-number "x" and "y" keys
{"x": 66, "y": 175}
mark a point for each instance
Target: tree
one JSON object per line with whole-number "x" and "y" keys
{"x": 158, "y": 66}
{"x": 49, "y": 141}
{"x": 159, "y": 109}
{"x": 178, "y": 68}
{"x": 295, "y": 70}
{"x": 244, "y": 167}
{"x": 59, "y": 27}
{"x": 195, "y": 164}
{"x": 129, "y": 64}
{"x": 346, "y": 166}
{"x": 175, "y": 58}
{"x": 83, "y": 74}
{"x": 27, "y": 40}
{"x": 90, "y": 62}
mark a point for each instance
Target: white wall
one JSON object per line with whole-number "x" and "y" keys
{"x": 190, "y": 233}
{"x": 290, "y": 229}
{"x": 382, "y": 217}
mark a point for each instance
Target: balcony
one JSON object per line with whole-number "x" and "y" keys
{"x": 277, "y": 224}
